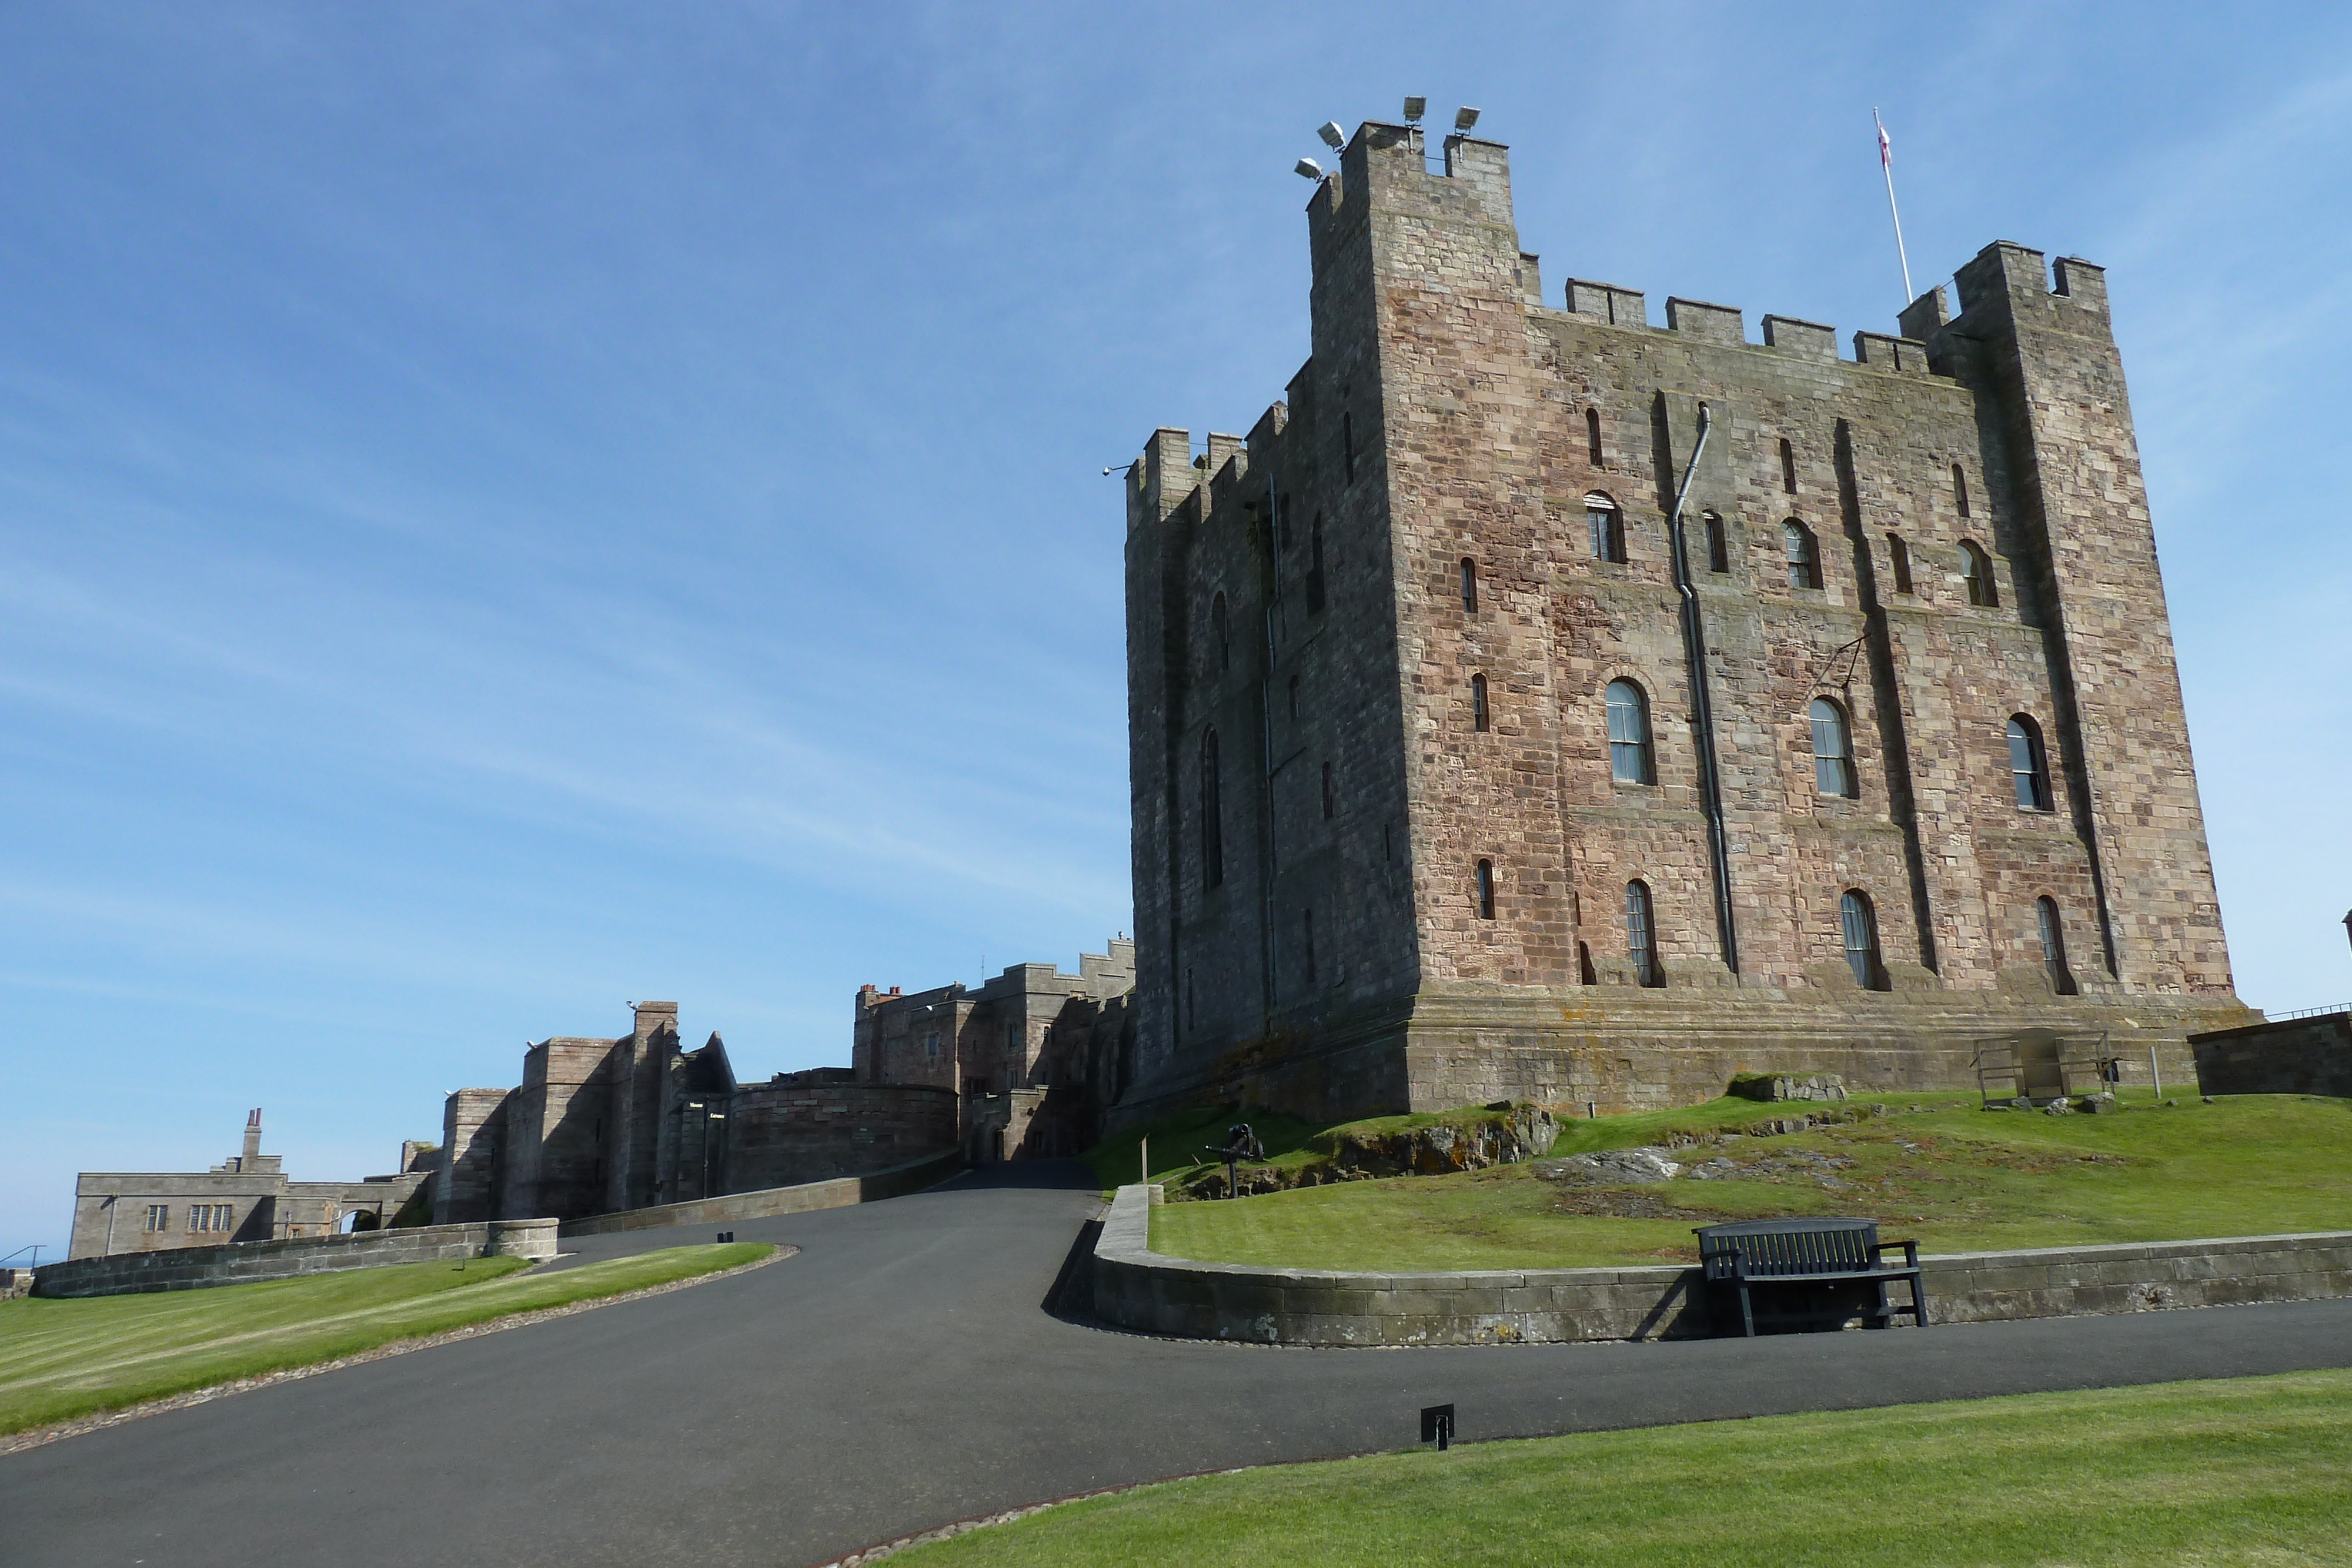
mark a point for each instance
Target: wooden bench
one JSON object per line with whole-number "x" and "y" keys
{"x": 1740, "y": 1256}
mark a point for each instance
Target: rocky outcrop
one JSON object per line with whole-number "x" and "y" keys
{"x": 1776, "y": 1086}
{"x": 1502, "y": 1133}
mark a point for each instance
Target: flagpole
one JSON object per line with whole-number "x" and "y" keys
{"x": 1886, "y": 164}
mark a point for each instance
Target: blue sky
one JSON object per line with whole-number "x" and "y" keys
{"x": 506, "y": 509}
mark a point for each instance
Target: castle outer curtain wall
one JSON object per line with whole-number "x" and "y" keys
{"x": 1391, "y": 853}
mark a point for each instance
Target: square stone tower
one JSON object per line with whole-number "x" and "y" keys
{"x": 1542, "y": 704}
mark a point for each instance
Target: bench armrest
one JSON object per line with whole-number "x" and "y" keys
{"x": 1910, "y": 1251}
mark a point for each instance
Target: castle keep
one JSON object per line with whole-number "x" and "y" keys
{"x": 1543, "y": 704}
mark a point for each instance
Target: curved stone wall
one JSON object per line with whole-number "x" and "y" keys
{"x": 1138, "y": 1289}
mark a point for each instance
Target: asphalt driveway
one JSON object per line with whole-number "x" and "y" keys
{"x": 903, "y": 1372}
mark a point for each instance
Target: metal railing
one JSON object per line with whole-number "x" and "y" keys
{"x": 2308, "y": 1013}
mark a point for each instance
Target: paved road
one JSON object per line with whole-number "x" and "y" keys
{"x": 901, "y": 1373}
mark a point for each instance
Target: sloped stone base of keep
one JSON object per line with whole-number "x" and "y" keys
{"x": 1610, "y": 1049}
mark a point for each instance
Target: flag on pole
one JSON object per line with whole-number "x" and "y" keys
{"x": 1886, "y": 165}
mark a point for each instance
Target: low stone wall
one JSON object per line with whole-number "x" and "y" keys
{"x": 839, "y": 1193}
{"x": 1138, "y": 1289}
{"x": 2292, "y": 1056}
{"x": 241, "y": 1262}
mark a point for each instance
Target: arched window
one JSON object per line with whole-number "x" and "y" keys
{"x": 1899, "y": 555}
{"x": 1314, "y": 567}
{"x": 1213, "y": 833}
{"x": 1787, "y": 468}
{"x": 2028, "y": 764}
{"x": 1469, "y": 584}
{"x": 1833, "y": 749}
{"x": 1804, "y": 555}
{"x": 1960, "y": 489}
{"x": 1331, "y": 795}
{"x": 1977, "y": 567}
{"x": 1592, "y": 435}
{"x": 1719, "y": 547}
{"x": 1479, "y": 716}
{"x": 1219, "y": 635}
{"x": 1629, "y": 735}
{"x": 1641, "y": 939}
{"x": 1486, "y": 890}
{"x": 1859, "y": 923}
{"x": 1607, "y": 526}
{"x": 2053, "y": 946}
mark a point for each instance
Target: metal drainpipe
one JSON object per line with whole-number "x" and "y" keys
{"x": 1702, "y": 707}
{"x": 1265, "y": 732}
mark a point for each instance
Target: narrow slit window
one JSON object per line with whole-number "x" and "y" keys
{"x": 1960, "y": 489}
{"x": 1331, "y": 795}
{"x": 1606, "y": 524}
{"x": 1977, "y": 567}
{"x": 1787, "y": 468}
{"x": 1833, "y": 749}
{"x": 1348, "y": 446}
{"x": 1213, "y": 835}
{"x": 2053, "y": 945}
{"x": 1718, "y": 547}
{"x": 1592, "y": 435}
{"x": 1308, "y": 931}
{"x": 1314, "y": 567}
{"x": 1585, "y": 973}
{"x": 1858, "y": 922}
{"x": 1469, "y": 584}
{"x": 1486, "y": 890}
{"x": 1293, "y": 697}
{"x": 2028, "y": 764}
{"x": 1804, "y": 555}
{"x": 1220, "y": 634}
{"x": 1479, "y": 716}
{"x": 1629, "y": 759}
{"x": 1641, "y": 939}
{"x": 1898, "y": 555}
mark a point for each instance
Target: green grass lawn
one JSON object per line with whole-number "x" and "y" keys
{"x": 2255, "y": 1472}
{"x": 63, "y": 1359}
{"x": 1936, "y": 1167}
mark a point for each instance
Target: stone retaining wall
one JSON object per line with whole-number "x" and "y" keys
{"x": 839, "y": 1193}
{"x": 2292, "y": 1056}
{"x": 241, "y": 1262}
{"x": 1136, "y": 1288}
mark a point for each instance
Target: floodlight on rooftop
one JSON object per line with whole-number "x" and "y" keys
{"x": 1414, "y": 108}
{"x": 1307, "y": 168}
{"x": 1333, "y": 137}
{"x": 1464, "y": 118}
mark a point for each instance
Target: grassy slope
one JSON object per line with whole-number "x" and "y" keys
{"x": 2256, "y": 1472}
{"x": 1957, "y": 1177}
{"x": 63, "y": 1359}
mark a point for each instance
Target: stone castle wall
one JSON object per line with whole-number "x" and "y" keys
{"x": 2292, "y": 1056}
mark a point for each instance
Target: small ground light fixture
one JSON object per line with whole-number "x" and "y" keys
{"x": 1307, "y": 168}
{"x": 1333, "y": 137}
{"x": 1414, "y": 108}
{"x": 1464, "y": 118}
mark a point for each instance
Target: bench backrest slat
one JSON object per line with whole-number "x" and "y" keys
{"x": 1766, "y": 1248}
